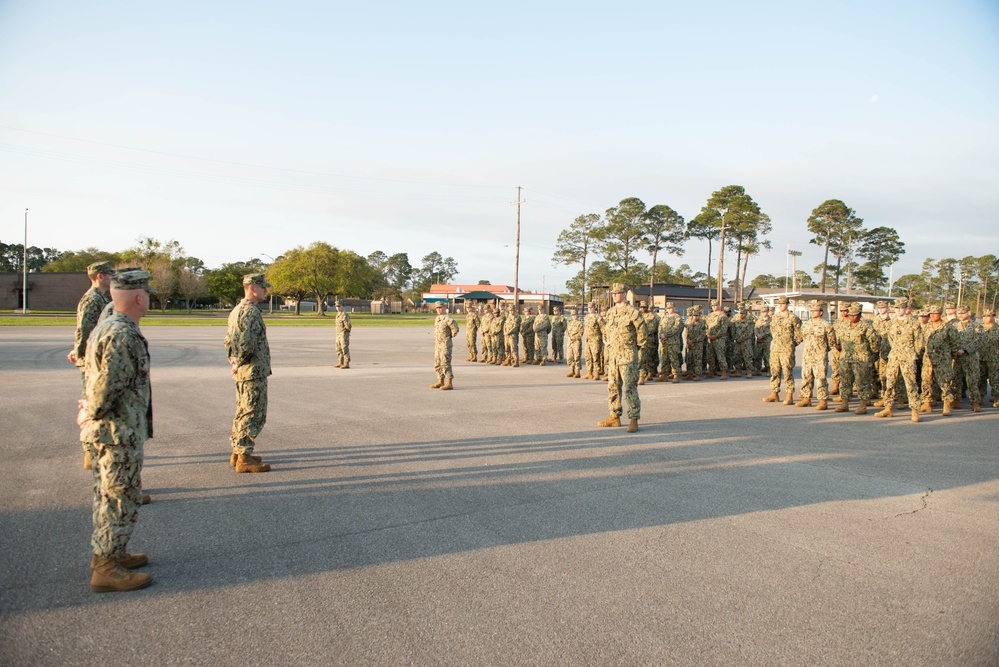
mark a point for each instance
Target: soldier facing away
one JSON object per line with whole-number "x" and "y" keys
{"x": 250, "y": 365}
{"x": 117, "y": 418}
{"x": 343, "y": 328}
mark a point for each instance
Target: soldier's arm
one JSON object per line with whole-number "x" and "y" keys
{"x": 641, "y": 331}
{"x": 115, "y": 365}
{"x": 246, "y": 338}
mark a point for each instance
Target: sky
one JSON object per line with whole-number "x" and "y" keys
{"x": 245, "y": 129}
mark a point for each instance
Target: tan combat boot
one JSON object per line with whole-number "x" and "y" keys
{"x": 925, "y": 408}
{"x": 724, "y": 376}
{"x": 437, "y": 385}
{"x": 772, "y": 398}
{"x": 885, "y": 413}
{"x": 576, "y": 374}
{"x": 835, "y": 389}
{"x": 975, "y": 407}
{"x": 844, "y": 404}
{"x": 569, "y": 374}
{"x": 862, "y": 408}
{"x": 128, "y": 561}
{"x": 506, "y": 362}
{"x": 447, "y": 385}
{"x": 955, "y": 404}
{"x": 915, "y": 416}
{"x": 346, "y": 365}
{"x": 108, "y": 576}
{"x": 610, "y": 421}
{"x": 339, "y": 364}
{"x": 676, "y": 379}
{"x": 234, "y": 456}
{"x": 789, "y": 399}
{"x": 245, "y": 464}
{"x": 879, "y": 403}
{"x": 632, "y": 426}
{"x": 823, "y": 404}
{"x": 641, "y": 378}
{"x": 946, "y": 408}
{"x": 804, "y": 403}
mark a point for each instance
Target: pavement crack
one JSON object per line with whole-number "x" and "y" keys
{"x": 923, "y": 505}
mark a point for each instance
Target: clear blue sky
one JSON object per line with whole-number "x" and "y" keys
{"x": 244, "y": 129}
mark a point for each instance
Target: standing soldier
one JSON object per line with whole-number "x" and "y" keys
{"x": 511, "y": 336}
{"x": 250, "y": 365}
{"x": 859, "y": 346}
{"x": 819, "y": 338}
{"x": 343, "y": 328}
{"x": 496, "y": 334}
{"x": 593, "y": 326}
{"x": 989, "y": 353}
{"x": 844, "y": 320}
{"x": 940, "y": 345}
{"x": 967, "y": 364}
{"x": 785, "y": 328}
{"x": 906, "y": 346}
{"x": 742, "y": 333}
{"x": 696, "y": 335}
{"x": 558, "y": 336}
{"x": 717, "y": 327}
{"x": 444, "y": 330}
{"x": 487, "y": 338}
{"x": 472, "y": 323}
{"x": 527, "y": 331}
{"x": 117, "y": 418}
{"x": 671, "y": 336}
{"x": 626, "y": 334}
{"x": 748, "y": 308}
{"x": 880, "y": 322}
{"x": 574, "y": 332}
{"x": 88, "y": 311}
{"x": 542, "y": 327}
{"x": 763, "y": 339}
{"x": 648, "y": 355}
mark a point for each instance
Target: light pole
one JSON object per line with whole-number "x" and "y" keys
{"x": 721, "y": 256}
{"x": 24, "y": 285}
{"x": 795, "y": 254}
{"x": 270, "y": 306}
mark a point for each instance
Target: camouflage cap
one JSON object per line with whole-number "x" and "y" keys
{"x": 338, "y": 304}
{"x": 882, "y": 303}
{"x": 901, "y": 303}
{"x": 816, "y": 305}
{"x": 100, "y": 267}
{"x": 727, "y": 309}
{"x": 923, "y": 313}
{"x": 989, "y": 312}
{"x": 934, "y": 308}
{"x": 255, "y": 279}
{"x": 856, "y": 309}
{"x": 618, "y": 288}
{"x": 949, "y": 305}
{"x": 439, "y": 304}
{"x": 643, "y": 304}
{"x": 130, "y": 280}
{"x": 964, "y": 309}
{"x": 783, "y": 299}
{"x": 669, "y": 304}
{"x": 714, "y": 302}
{"x": 843, "y": 306}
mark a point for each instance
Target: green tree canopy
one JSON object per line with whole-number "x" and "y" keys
{"x": 882, "y": 248}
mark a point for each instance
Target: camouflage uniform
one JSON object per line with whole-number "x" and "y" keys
{"x": 558, "y": 337}
{"x": 968, "y": 366}
{"x": 785, "y": 328}
{"x": 472, "y": 323}
{"x": 989, "y": 353}
{"x": 444, "y": 330}
{"x": 574, "y": 332}
{"x": 859, "y": 346}
{"x": 626, "y": 335}
{"x": 763, "y": 339}
{"x": 741, "y": 333}
{"x": 840, "y": 322}
{"x": 939, "y": 344}
{"x": 246, "y": 342}
{"x": 119, "y": 415}
{"x": 593, "y": 325}
{"x": 818, "y": 337}
{"x": 905, "y": 346}
{"x": 649, "y": 354}
{"x": 511, "y": 339}
{"x": 527, "y": 331}
{"x": 487, "y": 338}
{"x": 496, "y": 336}
{"x": 880, "y": 324}
{"x": 717, "y": 326}
{"x": 671, "y": 335}
{"x": 696, "y": 333}
{"x": 88, "y": 312}
{"x": 542, "y": 326}
{"x": 343, "y": 328}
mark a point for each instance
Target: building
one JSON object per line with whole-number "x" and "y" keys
{"x": 46, "y": 291}
{"x": 459, "y": 298}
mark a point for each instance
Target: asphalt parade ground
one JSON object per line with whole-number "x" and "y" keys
{"x": 494, "y": 524}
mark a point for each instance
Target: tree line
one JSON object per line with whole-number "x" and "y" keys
{"x": 320, "y": 271}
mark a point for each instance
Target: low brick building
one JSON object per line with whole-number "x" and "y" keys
{"x": 46, "y": 291}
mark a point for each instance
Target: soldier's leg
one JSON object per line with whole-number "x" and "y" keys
{"x": 891, "y": 375}
{"x": 614, "y": 382}
{"x": 807, "y": 379}
{"x": 971, "y": 375}
{"x": 117, "y": 496}
{"x": 775, "y": 371}
{"x": 908, "y": 373}
{"x": 865, "y": 382}
{"x": 630, "y": 378}
{"x": 822, "y": 384}
{"x": 448, "y": 373}
{"x": 251, "y": 414}
{"x": 346, "y": 348}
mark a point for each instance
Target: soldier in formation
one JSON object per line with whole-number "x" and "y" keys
{"x": 818, "y": 338}
{"x": 116, "y": 417}
{"x": 496, "y": 336}
{"x": 444, "y": 330}
{"x": 763, "y": 339}
{"x": 859, "y": 346}
{"x": 844, "y": 320}
{"x": 542, "y": 327}
{"x": 905, "y": 346}
{"x": 487, "y": 337}
{"x": 88, "y": 312}
{"x": 472, "y": 323}
{"x": 574, "y": 334}
{"x": 511, "y": 338}
{"x": 742, "y": 332}
{"x": 696, "y": 335}
{"x": 527, "y": 331}
{"x": 649, "y": 354}
{"x": 717, "y": 328}
{"x": 593, "y": 326}
{"x": 989, "y": 353}
{"x": 671, "y": 344}
{"x": 250, "y": 365}
{"x": 343, "y": 328}
{"x": 558, "y": 336}
{"x": 626, "y": 333}
{"x": 880, "y": 322}
{"x": 785, "y": 329}
{"x": 967, "y": 364}
{"x": 940, "y": 345}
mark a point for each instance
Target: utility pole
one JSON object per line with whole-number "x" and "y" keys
{"x": 24, "y": 285}
{"x": 516, "y": 260}
{"x": 721, "y": 256}
{"x": 795, "y": 254}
